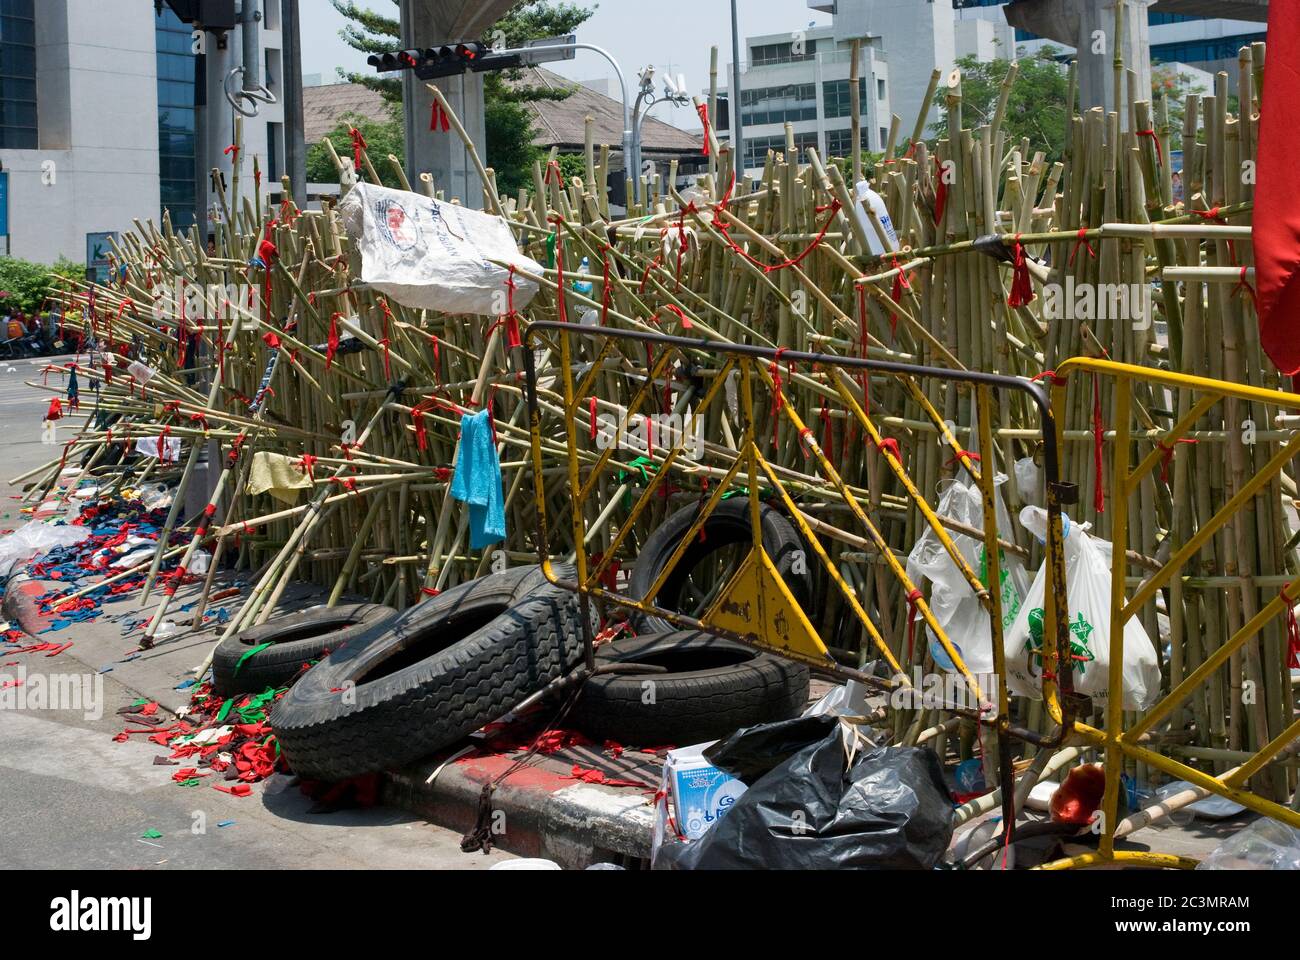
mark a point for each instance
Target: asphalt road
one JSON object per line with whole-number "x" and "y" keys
{"x": 72, "y": 798}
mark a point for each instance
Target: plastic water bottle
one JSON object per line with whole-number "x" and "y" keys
{"x": 866, "y": 196}
{"x": 583, "y": 286}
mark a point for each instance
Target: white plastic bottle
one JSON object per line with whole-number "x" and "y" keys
{"x": 865, "y": 195}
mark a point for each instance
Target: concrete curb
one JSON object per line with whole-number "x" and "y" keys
{"x": 544, "y": 813}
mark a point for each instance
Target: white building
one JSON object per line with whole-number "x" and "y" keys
{"x": 1205, "y": 42}
{"x": 98, "y": 120}
{"x": 918, "y": 37}
{"x": 803, "y": 79}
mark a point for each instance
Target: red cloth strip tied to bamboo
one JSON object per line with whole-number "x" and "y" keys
{"x": 1022, "y": 289}
{"x": 358, "y": 144}
{"x": 388, "y": 315}
{"x": 332, "y": 340}
{"x": 703, "y": 110}
{"x": 438, "y": 118}
{"x": 1167, "y": 455}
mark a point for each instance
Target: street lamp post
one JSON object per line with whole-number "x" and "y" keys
{"x": 673, "y": 92}
{"x": 737, "y": 129}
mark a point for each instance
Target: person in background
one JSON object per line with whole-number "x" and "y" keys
{"x": 1178, "y": 186}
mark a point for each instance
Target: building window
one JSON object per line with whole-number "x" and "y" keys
{"x": 838, "y": 141}
{"x": 769, "y": 53}
{"x": 176, "y": 118}
{"x": 836, "y": 100}
{"x": 756, "y": 148}
{"x": 880, "y": 89}
{"x": 18, "y": 129}
{"x": 792, "y": 102}
{"x": 1203, "y": 51}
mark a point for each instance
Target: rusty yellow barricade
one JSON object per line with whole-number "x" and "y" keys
{"x": 756, "y": 606}
{"x": 1196, "y": 396}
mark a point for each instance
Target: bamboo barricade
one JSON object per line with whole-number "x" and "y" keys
{"x": 1005, "y": 263}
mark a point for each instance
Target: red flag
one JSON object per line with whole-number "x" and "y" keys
{"x": 1277, "y": 204}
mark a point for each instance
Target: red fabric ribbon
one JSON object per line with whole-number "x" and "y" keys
{"x": 896, "y": 294}
{"x": 686, "y": 321}
{"x": 513, "y": 338}
{"x": 1167, "y": 455}
{"x": 888, "y": 445}
{"x": 332, "y": 340}
{"x": 1292, "y": 634}
{"x": 1082, "y": 241}
{"x": 1022, "y": 290}
{"x": 438, "y": 118}
{"x": 358, "y": 144}
{"x": 388, "y": 315}
{"x": 1242, "y": 284}
{"x": 940, "y": 193}
{"x": 559, "y": 267}
{"x": 271, "y": 340}
{"x": 1160, "y": 159}
{"x": 703, "y": 110}
{"x": 56, "y": 410}
{"x": 232, "y": 151}
{"x": 306, "y": 465}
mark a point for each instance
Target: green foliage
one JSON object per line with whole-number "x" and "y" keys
{"x": 508, "y": 126}
{"x": 382, "y": 138}
{"x": 572, "y": 165}
{"x": 1175, "y": 87}
{"x": 869, "y": 160}
{"x": 26, "y": 284}
{"x": 1036, "y": 108}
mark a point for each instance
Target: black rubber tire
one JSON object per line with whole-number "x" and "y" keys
{"x": 727, "y": 525}
{"x": 297, "y": 639}
{"x": 437, "y": 673}
{"x": 731, "y": 686}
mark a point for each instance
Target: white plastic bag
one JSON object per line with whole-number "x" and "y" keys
{"x": 428, "y": 254}
{"x": 1087, "y": 578}
{"x": 1264, "y": 845}
{"x": 1029, "y": 481}
{"x": 35, "y": 539}
{"x": 952, "y": 600}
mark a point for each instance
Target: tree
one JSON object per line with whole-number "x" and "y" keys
{"x": 509, "y": 129}
{"x": 1169, "y": 82}
{"x": 382, "y": 138}
{"x": 25, "y": 285}
{"x": 1036, "y": 108}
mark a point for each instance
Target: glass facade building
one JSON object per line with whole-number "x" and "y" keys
{"x": 18, "y": 130}
{"x": 176, "y": 119}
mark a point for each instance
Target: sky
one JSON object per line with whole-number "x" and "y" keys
{"x": 674, "y": 35}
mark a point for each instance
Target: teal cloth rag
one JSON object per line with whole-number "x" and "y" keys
{"x": 477, "y": 481}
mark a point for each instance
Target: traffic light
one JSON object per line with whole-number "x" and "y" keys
{"x": 444, "y": 61}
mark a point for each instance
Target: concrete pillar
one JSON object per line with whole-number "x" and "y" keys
{"x": 1089, "y": 27}
{"x": 430, "y": 23}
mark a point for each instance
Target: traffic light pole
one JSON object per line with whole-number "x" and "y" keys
{"x": 468, "y": 60}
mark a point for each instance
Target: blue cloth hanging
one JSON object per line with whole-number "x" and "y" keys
{"x": 477, "y": 481}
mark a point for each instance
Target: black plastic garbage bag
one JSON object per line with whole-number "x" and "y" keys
{"x": 812, "y": 810}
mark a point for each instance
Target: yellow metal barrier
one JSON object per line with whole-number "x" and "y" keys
{"x": 1115, "y": 741}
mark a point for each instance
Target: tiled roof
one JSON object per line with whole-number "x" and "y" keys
{"x": 561, "y": 122}
{"x": 555, "y": 122}
{"x": 323, "y": 107}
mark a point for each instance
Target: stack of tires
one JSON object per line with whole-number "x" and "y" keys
{"x": 389, "y": 689}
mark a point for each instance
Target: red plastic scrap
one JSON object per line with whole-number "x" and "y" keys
{"x": 587, "y": 775}
{"x": 235, "y": 789}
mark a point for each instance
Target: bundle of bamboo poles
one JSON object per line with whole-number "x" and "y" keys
{"x": 781, "y": 261}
